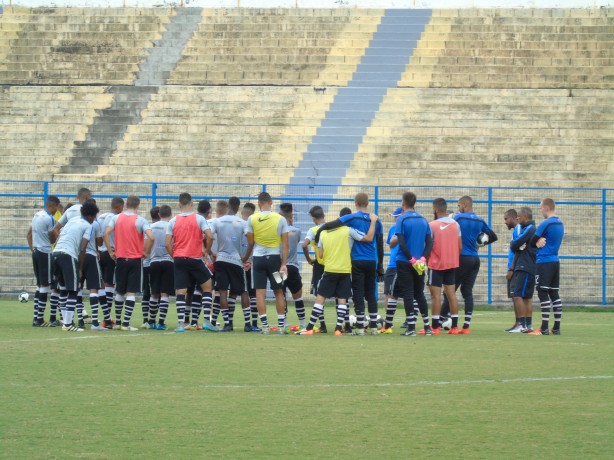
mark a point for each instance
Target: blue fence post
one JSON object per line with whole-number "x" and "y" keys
{"x": 489, "y": 248}
{"x": 263, "y": 188}
{"x": 376, "y": 199}
{"x": 154, "y": 192}
{"x": 45, "y": 193}
{"x": 604, "y": 248}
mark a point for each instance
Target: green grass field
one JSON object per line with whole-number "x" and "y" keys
{"x": 204, "y": 395}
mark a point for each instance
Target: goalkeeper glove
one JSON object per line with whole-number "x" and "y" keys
{"x": 419, "y": 265}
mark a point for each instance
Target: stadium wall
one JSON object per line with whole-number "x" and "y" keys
{"x": 587, "y": 253}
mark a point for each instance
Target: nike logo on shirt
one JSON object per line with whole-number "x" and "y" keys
{"x": 260, "y": 219}
{"x": 443, "y": 227}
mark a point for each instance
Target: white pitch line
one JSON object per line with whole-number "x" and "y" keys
{"x": 244, "y": 386}
{"x": 100, "y": 335}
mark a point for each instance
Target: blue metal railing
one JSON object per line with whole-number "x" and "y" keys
{"x": 582, "y": 208}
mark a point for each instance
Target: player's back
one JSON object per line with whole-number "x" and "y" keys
{"x": 158, "y": 250}
{"x": 228, "y": 231}
{"x": 41, "y": 224}
{"x": 294, "y": 239}
{"x": 71, "y": 213}
{"x": 337, "y": 246}
{"x": 471, "y": 226}
{"x": 413, "y": 228}
{"x": 71, "y": 236}
{"x": 553, "y": 230}
{"x": 361, "y": 221}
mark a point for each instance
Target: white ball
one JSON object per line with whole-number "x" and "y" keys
{"x": 483, "y": 238}
{"x": 23, "y": 297}
{"x": 353, "y": 320}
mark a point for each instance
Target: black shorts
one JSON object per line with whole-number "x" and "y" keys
{"x": 147, "y": 281}
{"x": 262, "y": 270}
{"x": 107, "y": 265}
{"x": 318, "y": 271}
{"x": 230, "y": 277}
{"x": 522, "y": 285}
{"x": 391, "y": 286}
{"x": 66, "y": 271}
{"x": 92, "y": 275}
{"x": 162, "y": 277}
{"x": 128, "y": 276}
{"x": 248, "y": 283}
{"x": 43, "y": 268}
{"x": 548, "y": 275}
{"x": 190, "y": 272}
{"x": 294, "y": 282}
{"x": 440, "y": 278}
{"x": 337, "y": 285}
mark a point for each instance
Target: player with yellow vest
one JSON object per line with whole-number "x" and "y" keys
{"x": 317, "y": 264}
{"x": 267, "y": 237}
{"x": 335, "y": 248}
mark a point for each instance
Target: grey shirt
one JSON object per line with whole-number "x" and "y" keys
{"x": 294, "y": 239}
{"x": 96, "y": 232}
{"x": 42, "y": 222}
{"x": 102, "y": 221}
{"x": 228, "y": 231}
{"x": 158, "y": 251}
{"x": 71, "y": 236}
{"x": 73, "y": 211}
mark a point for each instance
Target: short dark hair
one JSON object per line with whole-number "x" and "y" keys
{"x": 165, "y": 211}
{"x": 222, "y": 204}
{"x": 133, "y": 202}
{"x": 526, "y": 211}
{"x": 52, "y": 199}
{"x": 317, "y": 212}
{"x": 409, "y": 199}
{"x": 234, "y": 203}
{"x": 89, "y": 209}
{"x": 511, "y": 212}
{"x": 117, "y": 201}
{"x": 203, "y": 207}
{"x": 466, "y": 200}
{"x": 549, "y": 203}
{"x": 264, "y": 197}
{"x": 440, "y": 205}
{"x": 155, "y": 213}
{"x": 250, "y": 206}
{"x": 83, "y": 192}
{"x": 286, "y": 208}
{"x": 91, "y": 200}
{"x": 185, "y": 198}
{"x": 345, "y": 212}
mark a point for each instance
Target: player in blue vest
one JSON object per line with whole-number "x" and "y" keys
{"x": 547, "y": 239}
{"x": 471, "y": 226}
{"x": 367, "y": 261}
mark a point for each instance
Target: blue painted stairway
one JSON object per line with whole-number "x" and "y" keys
{"x": 352, "y": 111}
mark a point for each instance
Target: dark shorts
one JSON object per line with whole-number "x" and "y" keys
{"x": 548, "y": 275}
{"x": 190, "y": 272}
{"x": 43, "y": 268}
{"x": 107, "y": 265}
{"x": 128, "y": 276}
{"x": 248, "y": 283}
{"x": 162, "y": 277}
{"x": 230, "y": 277}
{"x": 262, "y": 270}
{"x": 147, "y": 281}
{"x": 391, "y": 286}
{"x": 522, "y": 285}
{"x": 440, "y": 278}
{"x": 294, "y": 282}
{"x": 337, "y": 285}
{"x": 66, "y": 271}
{"x": 92, "y": 275}
{"x": 318, "y": 271}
